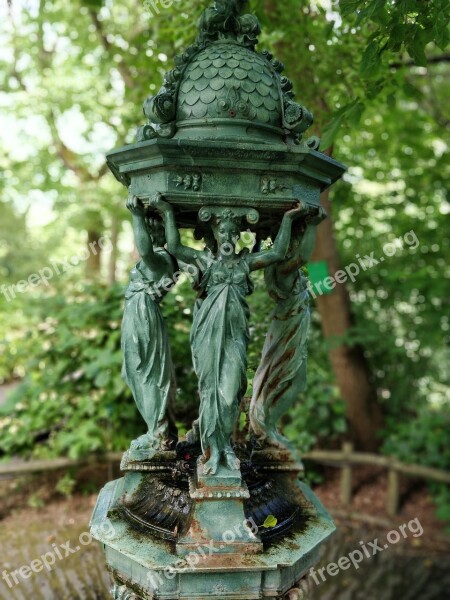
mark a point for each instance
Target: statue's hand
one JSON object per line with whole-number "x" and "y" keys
{"x": 298, "y": 211}
{"x": 135, "y": 206}
{"x": 161, "y": 205}
{"x": 316, "y": 216}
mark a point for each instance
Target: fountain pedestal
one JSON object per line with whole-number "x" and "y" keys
{"x": 189, "y": 539}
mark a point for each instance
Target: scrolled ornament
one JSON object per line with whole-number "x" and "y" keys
{"x": 249, "y": 30}
{"x": 160, "y": 108}
{"x": 252, "y": 216}
{"x": 121, "y": 592}
{"x": 144, "y": 133}
{"x": 313, "y": 142}
{"x": 205, "y": 214}
{"x": 296, "y": 117}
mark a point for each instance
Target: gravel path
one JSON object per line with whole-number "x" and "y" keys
{"x": 405, "y": 571}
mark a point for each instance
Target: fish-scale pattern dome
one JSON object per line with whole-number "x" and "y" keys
{"x": 228, "y": 81}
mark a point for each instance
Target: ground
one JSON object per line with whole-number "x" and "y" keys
{"x": 36, "y": 522}
{"x": 369, "y": 505}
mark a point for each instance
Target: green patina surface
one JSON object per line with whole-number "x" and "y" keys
{"x": 222, "y": 152}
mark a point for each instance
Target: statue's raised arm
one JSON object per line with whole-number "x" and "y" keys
{"x": 278, "y": 252}
{"x": 191, "y": 256}
{"x": 302, "y": 243}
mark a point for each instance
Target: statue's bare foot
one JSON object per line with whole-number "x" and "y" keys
{"x": 143, "y": 448}
{"x": 275, "y": 441}
{"x": 167, "y": 444}
{"x": 210, "y": 467}
{"x": 231, "y": 460}
{"x": 141, "y": 443}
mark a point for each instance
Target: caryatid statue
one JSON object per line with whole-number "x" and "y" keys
{"x": 281, "y": 374}
{"x": 220, "y": 330}
{"x": 147, "y": 365}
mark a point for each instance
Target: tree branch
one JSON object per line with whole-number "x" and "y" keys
{"x": 110, "y": 48}
{"x": 68, "y": 157}
{"x": 432, "y": 60}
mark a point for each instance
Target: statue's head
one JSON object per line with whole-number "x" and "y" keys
{"x": 227, "y": 229}
{"x": 226, "y": 232}
{"x": 156, "y": 229}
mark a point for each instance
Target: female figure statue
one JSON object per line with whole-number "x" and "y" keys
{"x": 220, "y": 330}
{"x": 281, "y": 374}
{"x": 147, "y": 365}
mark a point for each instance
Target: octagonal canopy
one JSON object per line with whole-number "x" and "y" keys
{"x": 225, "y": 130}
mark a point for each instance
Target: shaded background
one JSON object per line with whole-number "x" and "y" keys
{"x": 375, "y": 74}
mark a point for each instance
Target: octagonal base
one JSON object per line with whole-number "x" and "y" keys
{"x": 144, "y": 567}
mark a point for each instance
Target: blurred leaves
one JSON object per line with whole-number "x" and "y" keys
{"x": 73, "y": 401}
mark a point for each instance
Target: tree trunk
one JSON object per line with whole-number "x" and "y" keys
{"x": 349, "y": 363}
{"x": 93, "y": 263}
{"x": 350, "y": 367}
{"x": 112, "y": 264}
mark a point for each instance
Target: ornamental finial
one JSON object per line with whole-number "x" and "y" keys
{"x": 223, "y": 21}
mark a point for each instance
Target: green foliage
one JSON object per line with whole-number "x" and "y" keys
{"x": 318, "y": 419}
{"x": 15, "y": 319}
{"x": 422, "y": 438}
{"x": 66, "y": 485}
{"x": 405, "y": 25}
{"x": 36, "y": 501}
{"x": 442, "y": 499}
{"x": 390, "y": 29}
{"x": 396, "y": 193}
{"x": 358, "y": 53}
{"x": 73, "y": 401}
{"x": 17, "y": 260}
{"x": 70, "y": 394}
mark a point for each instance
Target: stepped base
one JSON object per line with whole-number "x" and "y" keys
{"x": 218, "y": 520}
{"x": 191, "y": 564}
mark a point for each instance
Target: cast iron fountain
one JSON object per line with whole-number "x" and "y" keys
{"x": 223, "y": 153}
